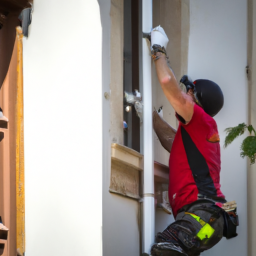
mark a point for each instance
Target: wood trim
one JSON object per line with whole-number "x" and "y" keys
{"x": 161, "y": 173}
{"x": 20, "y": 190}
{"x": 127, "y": 155}
{"x": 126, "y": 165}
{"x": 126, "y": 149}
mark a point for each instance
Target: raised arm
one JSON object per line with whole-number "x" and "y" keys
{"x": 182, "y": 103}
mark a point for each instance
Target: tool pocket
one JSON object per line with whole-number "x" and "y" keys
{"x": 231, "y": 221}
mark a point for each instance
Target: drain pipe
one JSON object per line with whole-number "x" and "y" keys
{"x": 148, "y": 174}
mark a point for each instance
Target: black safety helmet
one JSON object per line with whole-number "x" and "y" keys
{"x": 207, "y": 93}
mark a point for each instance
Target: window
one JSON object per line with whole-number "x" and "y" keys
{"x": 132, "y": 78}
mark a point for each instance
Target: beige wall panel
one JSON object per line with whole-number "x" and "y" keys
{"x": 185, "y": 25}
{"x": 116, "y": 82}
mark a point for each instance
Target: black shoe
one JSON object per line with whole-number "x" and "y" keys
{"x": 167, "y": 249}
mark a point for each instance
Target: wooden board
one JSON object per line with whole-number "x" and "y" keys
{"x": 125, "y": 180}
{"x": 20, "y": 188}
{"x": 126, "y": 167}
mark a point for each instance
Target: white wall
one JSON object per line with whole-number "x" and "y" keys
{"x": 218, "y": 51}
{"x": 63, "y": 129}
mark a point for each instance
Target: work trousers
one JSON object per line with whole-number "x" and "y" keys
{"x": 184, "y": 230}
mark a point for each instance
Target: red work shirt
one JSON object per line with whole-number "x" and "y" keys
{"x": 194, "y": 161}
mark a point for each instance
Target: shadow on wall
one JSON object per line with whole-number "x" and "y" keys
{"x": 7, "y": 39}
{"x": 3, "y": 124}
{"x": 9, "y": 12}
{"x": 1, "y": 249}
{"x": 1, "y": 136}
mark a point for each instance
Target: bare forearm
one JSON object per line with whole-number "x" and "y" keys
{"x": 181, "y": 103}
{"x": 168, "y": 81}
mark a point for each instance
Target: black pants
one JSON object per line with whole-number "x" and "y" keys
{"x": 184, "y": 230}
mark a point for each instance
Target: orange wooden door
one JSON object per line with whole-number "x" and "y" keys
{"x": 12, "y": 155}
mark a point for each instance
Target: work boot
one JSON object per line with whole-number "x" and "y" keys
{"x": 167, "y": 249}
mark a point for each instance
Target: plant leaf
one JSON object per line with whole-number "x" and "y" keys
{"x": 234, "y": 132}
{"x": 248, "y": 148}
{"x": 250, "y": 128}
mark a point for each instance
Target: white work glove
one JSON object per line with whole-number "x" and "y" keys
{"x": 158, "y": 36}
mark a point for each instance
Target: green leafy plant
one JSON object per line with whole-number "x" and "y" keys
{"x": 248, "y": 146}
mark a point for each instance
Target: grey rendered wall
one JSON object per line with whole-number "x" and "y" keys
{"x": 121, "y": 216}
{"x": 218, "y": 51}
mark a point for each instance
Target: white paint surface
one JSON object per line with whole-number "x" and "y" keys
{"x": 63, "y": 129}
{"x": 148, "y": 231}
{"x": 218, "y": 51}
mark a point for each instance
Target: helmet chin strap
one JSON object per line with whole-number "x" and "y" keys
{"x": 196, "y": 99}
{"x": 194, "y": 96}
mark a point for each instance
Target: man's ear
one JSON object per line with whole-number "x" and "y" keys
{"x": 190, "y": 92}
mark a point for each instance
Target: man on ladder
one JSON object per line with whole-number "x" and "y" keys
{"x": 197, "y": 202}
